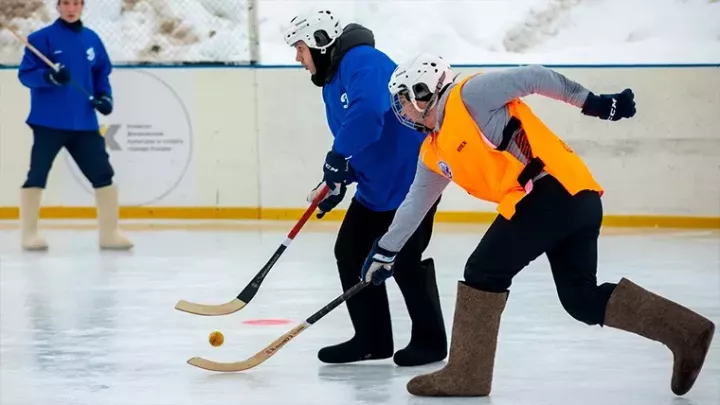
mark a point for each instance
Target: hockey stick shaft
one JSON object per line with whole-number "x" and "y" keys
{"x": 252, "y": 288}
{"x": 45, "y": 59}
{"x": 278, "y": 343}
{"x": 293, "y": 333}
{"x": 283, "y": 340}
{"x": 337, "y": 301}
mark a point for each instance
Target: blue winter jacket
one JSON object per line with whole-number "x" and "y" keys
{"x": 384, "y": 153}
{"x": 83, "y": 53}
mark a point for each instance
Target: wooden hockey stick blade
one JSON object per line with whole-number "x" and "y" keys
{"x": 253, "y": 286}
{"x": 253, "y": 361}
{"x": 210, "y": 310}
{"x": 278, "y": 343}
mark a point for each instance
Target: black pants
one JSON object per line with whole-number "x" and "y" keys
{"x": 369, "y": 309}
{"x": 87, "y": 149}
{"x": 549, "y": 220}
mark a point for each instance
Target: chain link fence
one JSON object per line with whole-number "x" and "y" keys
{"x": 147, "y": 31}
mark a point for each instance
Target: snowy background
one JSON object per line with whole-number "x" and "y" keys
{"x": 463, "y": 31}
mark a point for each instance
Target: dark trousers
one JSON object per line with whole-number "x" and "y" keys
{"x": 548, "y": 220}
{"x": 369, "y": 309}
{"x": 87, "y": 149}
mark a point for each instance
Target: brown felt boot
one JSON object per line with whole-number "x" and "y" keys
{"x": 687, "y": 334}
{"x": 469, "y": 370}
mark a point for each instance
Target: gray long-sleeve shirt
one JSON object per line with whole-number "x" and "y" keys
{"x": 486, "y": 97}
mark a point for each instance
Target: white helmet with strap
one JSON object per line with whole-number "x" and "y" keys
{"x": 318, "y": 29}
{"x": 419, "y": 79}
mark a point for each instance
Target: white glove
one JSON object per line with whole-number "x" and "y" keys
{"x": 378, "y": 265}
{"x": 316, "y": 191}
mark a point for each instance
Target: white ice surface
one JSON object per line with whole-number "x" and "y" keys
{"x": 82, "y": 327}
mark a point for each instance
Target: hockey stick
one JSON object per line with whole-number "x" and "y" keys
{"x": 276, "y": 345}
{"x": 252, "y": 288}
{"x": 44, "y": 58}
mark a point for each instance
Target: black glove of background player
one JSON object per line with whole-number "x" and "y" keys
{"x": 103, "y": 104}
{"x": 59, "y": 78}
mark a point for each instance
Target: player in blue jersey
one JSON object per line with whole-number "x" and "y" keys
{"x": 61, "y": 115}
{"x": 379, "y": 154}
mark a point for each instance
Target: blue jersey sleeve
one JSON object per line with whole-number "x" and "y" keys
{"x": 101, "y": 71}
{"x": 368, "y": 100}
{"x": 32, "y": 69}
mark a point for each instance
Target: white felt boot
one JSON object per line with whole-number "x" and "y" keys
{"x": 110, "y": 237}
{"x": 29, "y": 213}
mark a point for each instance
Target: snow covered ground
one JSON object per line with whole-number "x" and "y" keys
{"x": 463, "y": 31}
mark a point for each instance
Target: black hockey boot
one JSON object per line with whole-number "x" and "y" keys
{"x": 428, "y": 341}
{"x": 370, "y": 316}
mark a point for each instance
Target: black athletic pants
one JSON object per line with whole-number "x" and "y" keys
{"x": 369, "y": 309}
{"x": 548, "y": 220}
{"x": 87, "y": 149}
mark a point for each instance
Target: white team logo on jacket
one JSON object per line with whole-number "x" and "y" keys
{"x": 90, "y": 54}
{"x": 344, "y": 100}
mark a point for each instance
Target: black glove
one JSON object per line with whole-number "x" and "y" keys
{"x": 611, "y": 107}
{"x": 59, "y": 78}
{"x": 104, "y": 104}
{"x": 336, "y": 169}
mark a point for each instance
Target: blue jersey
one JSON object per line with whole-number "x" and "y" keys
{"x": 84, "y": 55}
{"x": 384, "y": 153}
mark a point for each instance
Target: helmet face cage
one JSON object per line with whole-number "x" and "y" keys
{"x": 420, "y": 92}
{"x": 421, "y": 79}
{"x": 398, "y": 106}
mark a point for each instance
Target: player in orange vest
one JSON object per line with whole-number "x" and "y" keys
{"x": 485, "y": 139}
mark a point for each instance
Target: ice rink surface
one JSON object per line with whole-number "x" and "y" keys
{"x": 83, "y": 327}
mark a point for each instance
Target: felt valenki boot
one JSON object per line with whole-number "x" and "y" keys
{"x": 370, "y": 315}
{"x": 469, "y": 371}
{"x": 106, "y": 199}
{"x": 687, "y": 334}
{"x": 29, "y": 213}
{"x": 428, "y": 340}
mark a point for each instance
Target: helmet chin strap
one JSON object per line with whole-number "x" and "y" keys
{"x": 424, "y": 128}
{"x": 431, "y": 103}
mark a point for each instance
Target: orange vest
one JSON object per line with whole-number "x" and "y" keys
{"x": 460, "y": 152}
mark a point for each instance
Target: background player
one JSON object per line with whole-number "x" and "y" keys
{"x": 62, "y": 116}
{"x": 486, "y": 140}
{"x": 374, "y": 150}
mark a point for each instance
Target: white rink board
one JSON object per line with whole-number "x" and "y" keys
{"x": 261, "y": 139}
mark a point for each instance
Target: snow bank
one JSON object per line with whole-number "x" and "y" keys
{"x": 633, "y": 31}
{"x": 151, "y": 30}
{"x": 463, "y": 31}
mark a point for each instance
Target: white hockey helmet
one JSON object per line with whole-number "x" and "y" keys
{"x": 419, "y": 79}
{"x": 318, "y": 29}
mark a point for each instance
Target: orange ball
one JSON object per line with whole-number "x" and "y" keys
{"x": 216, "y": 338}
